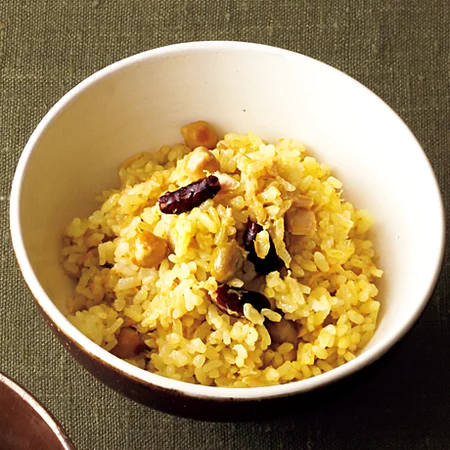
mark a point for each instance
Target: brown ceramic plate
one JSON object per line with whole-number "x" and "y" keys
{"x": 25, "y": 424}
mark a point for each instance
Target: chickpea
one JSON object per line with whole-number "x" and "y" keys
{"x": 199, "y": 161}
{"x": 284, "y": 331}
{"x": 199, "y": 134}
{"x": 150, "y": 250}
{"x": 300, "y": 222}
{"x": 227, "y": 261}
{"x": 129, "y": 344}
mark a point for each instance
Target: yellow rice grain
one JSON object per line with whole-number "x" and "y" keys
{"x": 328, "y": 290}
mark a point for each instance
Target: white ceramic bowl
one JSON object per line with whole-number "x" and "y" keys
{"x": 140, "y": 103}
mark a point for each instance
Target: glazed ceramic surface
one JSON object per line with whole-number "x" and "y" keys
{"x": 139, "y": 104}
{"x": 25, "y": 424}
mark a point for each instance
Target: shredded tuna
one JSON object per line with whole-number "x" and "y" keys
{"x": 300, "y": 222}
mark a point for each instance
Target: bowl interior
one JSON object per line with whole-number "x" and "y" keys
{"x": 140, "y": 104}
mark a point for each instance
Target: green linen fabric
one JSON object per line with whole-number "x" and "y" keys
{"x": 398, "y": 48}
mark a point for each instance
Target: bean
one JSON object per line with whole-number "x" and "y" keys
{"x": 150, "y": 249}
{"x": 232, "y": 300}
{"x": 199, "y": 161}
{"x": 265, "y": 265}
{"x": 129, "y": 344}
{"x": 283, "y": 331}
{"x": 227, "y": 261}
{"x": 189, "y": 197}
{"x": 198, "y": 134}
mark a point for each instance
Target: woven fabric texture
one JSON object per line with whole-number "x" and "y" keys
{"x": 398, "y": 48}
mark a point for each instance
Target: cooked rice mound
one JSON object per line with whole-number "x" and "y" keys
{"x": 324, "y": 309}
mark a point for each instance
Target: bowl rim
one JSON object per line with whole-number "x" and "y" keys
{"x": 182, "y": 387}
{"x": 36, "y": 406}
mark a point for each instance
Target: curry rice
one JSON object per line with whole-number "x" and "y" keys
{"x": 187, "y": 294}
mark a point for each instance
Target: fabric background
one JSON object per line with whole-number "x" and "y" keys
{"x": 398, "y": 48}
